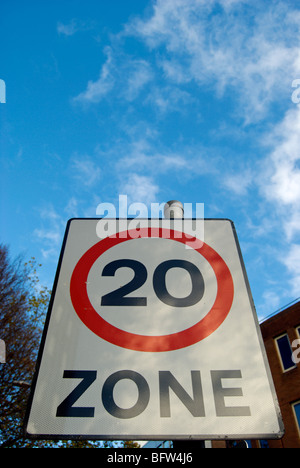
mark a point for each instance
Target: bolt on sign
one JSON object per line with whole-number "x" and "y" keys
{"x": 151, "y": 333}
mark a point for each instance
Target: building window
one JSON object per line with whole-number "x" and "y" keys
{"x": 264, "y": 443}
{"x": 285, "y": 352}
{"x": 296, "y": 409}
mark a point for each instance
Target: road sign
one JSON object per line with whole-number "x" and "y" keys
{"x": 152, "y": 334}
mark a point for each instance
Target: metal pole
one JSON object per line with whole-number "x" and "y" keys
{"x": 173, "y": 209}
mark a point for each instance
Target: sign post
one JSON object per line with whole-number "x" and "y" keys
{"x": 152, "y": 334}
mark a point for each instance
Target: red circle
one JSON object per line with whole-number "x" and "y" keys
{"x": 202, "y": 329}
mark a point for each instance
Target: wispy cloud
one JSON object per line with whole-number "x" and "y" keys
{"x": 126, "y": 76}
{"x": 85, "y": 170}
{"x": 73, "y": 26}
{"x": 71, "y": 209}
{"x": 143, "y": 156}
{"x": 50, "y": 235}
{"x": 238, "y": 183}
{"x": 292, "y": 262}
{"x": 96, "y": 90}
{"x": 241, "y": 45}
{"x": 243, "y": 55}
{"x": 140, "y": 75}
{"x": 140, "y": 189}
{"x": 168, "y": 99}
{"x": 284, "y": 185}
{"x": 281, "y": 182}
{"x": 227, "y": 46}
{"x": 280, "y": 187}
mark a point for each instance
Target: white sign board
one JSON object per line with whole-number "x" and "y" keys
{"x": 152, "y": 334}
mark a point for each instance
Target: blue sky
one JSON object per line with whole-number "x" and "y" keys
{"x": 156, "y": 99}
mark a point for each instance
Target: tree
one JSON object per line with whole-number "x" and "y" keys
{"x": 23, "y": 307}
{"x": 131, "y": 444}
{"x": 22, "y": 311}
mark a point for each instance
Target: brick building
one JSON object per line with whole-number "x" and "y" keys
{"x": 281, "y": 334}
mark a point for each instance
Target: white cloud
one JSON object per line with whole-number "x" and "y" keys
{"x": 139, "y": 159}
{"x": 242, "y": 46}
{"x": 98, "y": 89}
{"x": 173, "y": 71}
{"x": 281, "y": 181}
{"x": 67, "y": 29}
{"x": 49, "y": 236}
{"x": 238, "y": 183}
{"x": 126, "y": 76}
{"x": 85, "y": 170}
{"x": 52, "y": 235}
{"x": 140, "y": 189}
{"x": 246, "y": 47}
{"x": 250, "y": 48}
{"x": 280, "y": 185}
{"x": 71, "y": 28}
{"x": 271, "y": 302}
{"x": 284, "y": 186}
{"x": 292, "y": 224}
{"x": 169, "y": 99}
{"x": 145, "y": 154}
{"x": 292, "y": 262}
{"x": 140, "y": 74}
{"x": 72, "y": 208}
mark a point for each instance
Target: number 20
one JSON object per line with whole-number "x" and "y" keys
{"x": 118, "y": 296}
